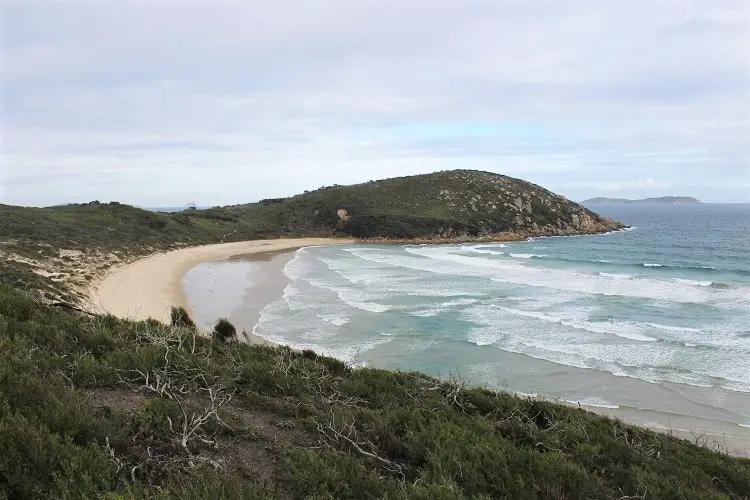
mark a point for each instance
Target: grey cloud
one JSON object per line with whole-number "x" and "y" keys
{"x": 261, "y": 93}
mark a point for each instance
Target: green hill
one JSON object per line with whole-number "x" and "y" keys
{"x": 457, "y": 203}
{"x": 446, "y": 204}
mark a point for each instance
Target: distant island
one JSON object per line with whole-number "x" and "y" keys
{"x": 664, "y": 200}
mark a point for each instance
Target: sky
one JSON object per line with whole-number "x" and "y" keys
{"x": 163, "y": 103}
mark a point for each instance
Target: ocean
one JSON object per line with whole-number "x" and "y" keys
{"x": 652, "y": 322}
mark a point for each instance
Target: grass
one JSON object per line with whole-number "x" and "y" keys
{"x": 97, "y": 407}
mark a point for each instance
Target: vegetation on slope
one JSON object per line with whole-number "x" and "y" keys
{"x": 456, "y": 203}
{"x": 100, "y": 407}
{"x": 58, "y": 250}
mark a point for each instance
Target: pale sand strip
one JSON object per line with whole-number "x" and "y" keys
{"x": 149, "y": 287}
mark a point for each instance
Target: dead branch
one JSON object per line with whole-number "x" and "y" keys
{"x": 635, "y": 497}
{"x": 345, "y": 433}
{"x": 192, "y": 427}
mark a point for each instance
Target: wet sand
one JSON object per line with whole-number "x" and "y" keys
{"x": 236, "y": 289}
{"x": 149, "y": 287}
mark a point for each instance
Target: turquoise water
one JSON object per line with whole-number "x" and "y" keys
{"x": 656, "y": 318}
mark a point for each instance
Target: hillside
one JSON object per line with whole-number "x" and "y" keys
{"x": 455, "y": 203}
{"x": 664, "y": 200}
{"x": 96, "y": 407}
{"x": 60, "y": 249}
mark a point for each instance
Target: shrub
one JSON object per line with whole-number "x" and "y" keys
{"x": 180, "y": 317}
{"x": 224, "y": 331}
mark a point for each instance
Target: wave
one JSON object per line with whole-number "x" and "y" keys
{"x": 692, "y": 282}
{"x": 441, "y": 308}
{"x": 334, "y": 319}
{"x": 616, "y": 276}
{"x": 601, "y": 362}
{"x": 597, "y": 262}
{"x": 621, "y": 329}
{"x": 372, "y": 307}
{"x": 488, "y": 252}
{"x": 670, "y": 328}
{"x": 527, "y": 256}
{"x": 434, "y": 260}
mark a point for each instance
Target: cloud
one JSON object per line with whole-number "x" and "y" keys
{"x": 153, "y": 103}
{"x": 647, "y": 184}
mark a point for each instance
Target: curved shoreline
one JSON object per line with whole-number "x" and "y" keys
{"x": 149, "y": 287}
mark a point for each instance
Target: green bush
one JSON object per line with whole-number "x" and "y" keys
{"x": 181, "y": 318}
{"x": 224, "y": 331}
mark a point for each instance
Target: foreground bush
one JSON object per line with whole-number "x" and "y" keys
{"x": 95, "y": 407}
{"x": 224, "y": 331}
{"x": 181, "y": 318}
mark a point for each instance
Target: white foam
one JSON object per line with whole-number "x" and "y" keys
{"x": 625, "y": 330}
{"x": 373, "y": 307}
{"x": 444, "y": 307}
{"x": 616, "y": 276}
{"x": 440, "y": 261}
{"x": 484, "y": 249}
{"x": 489, "y": 252}
{"x": 692, "y": 282}
{"x": 525, "y": 255}
{"x": 334, "y": 319}
{"x": 295, "y": 268}
{"x": 647, "y": 264}
{"x": 595, "y": 402}
{"x": 672, "y": 328}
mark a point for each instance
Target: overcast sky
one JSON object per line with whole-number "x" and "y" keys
{"x": 162, "y": 103}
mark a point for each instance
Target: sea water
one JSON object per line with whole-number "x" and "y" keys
{"x": 654, "y": 319}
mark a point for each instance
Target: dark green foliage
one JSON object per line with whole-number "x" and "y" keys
{"x": 224, "y": 331}
{"x": 181, "y": 318}
{"x": 78, "y": 419}
{"x": 452, "y": 203}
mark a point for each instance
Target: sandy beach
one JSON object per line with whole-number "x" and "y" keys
{"x": 149, "y": 287}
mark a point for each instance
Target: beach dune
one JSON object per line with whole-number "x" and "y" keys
{"x": 149, "y": 287}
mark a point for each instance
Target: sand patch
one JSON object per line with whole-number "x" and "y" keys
{"x": 149, "y": 287}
